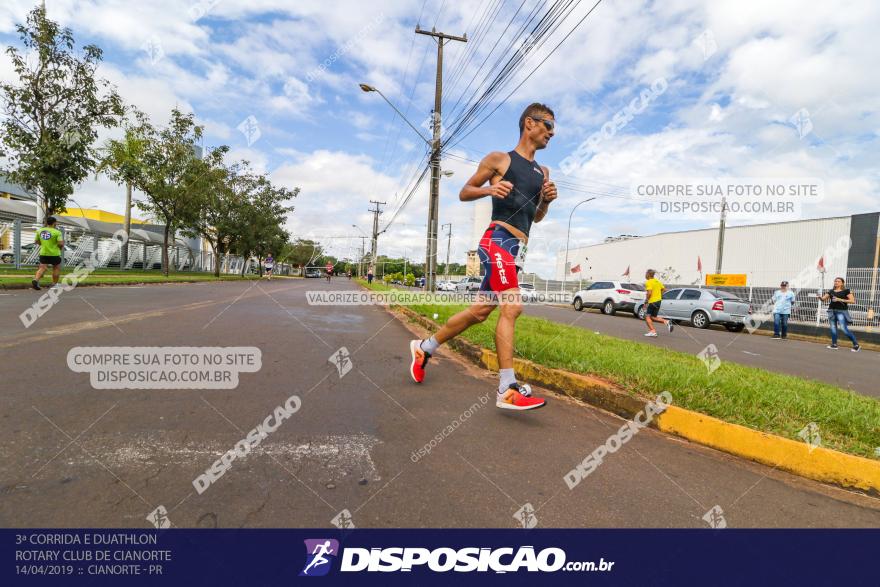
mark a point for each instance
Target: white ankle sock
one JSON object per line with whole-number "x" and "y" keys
{"x": 506, "y": 377}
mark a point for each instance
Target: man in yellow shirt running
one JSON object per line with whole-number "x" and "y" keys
{"x": 654, "y": 296}
{"x": 50, "y": 240}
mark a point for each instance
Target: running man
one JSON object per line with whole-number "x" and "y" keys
{"x": 270, "y": 265}
{"x": 521, "y": 193}
{"x": 319, "y": 552}
{"x": 654, "y": 296}
{"x": 50, "y": 240}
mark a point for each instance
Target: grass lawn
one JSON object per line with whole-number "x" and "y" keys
{"x": 753, "y": 397}
{"x": 17, "y": 278}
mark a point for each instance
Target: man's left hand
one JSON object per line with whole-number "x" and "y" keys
{"x": 548, "y": 192}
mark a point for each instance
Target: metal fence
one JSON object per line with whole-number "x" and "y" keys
{"x": 863, "y": 282}
{"x": 18, "y": 249}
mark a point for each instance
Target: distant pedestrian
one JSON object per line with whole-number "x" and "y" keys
{"x": 370, "y": 274}
{"x": 51, "y": 241}
{"x": 653, "y": 298}
{"x": 783, "y": 298}
{"x": 270, "y": 266}
{"x": 840, "y": 297}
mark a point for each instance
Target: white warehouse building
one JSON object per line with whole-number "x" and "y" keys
{"x": 765, "y": 253}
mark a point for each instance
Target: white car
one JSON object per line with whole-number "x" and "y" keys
{"x": 8, "y": 255}
{"x": 469, "y": 284}
{"x": 527, "y": 292}
{"x": 610, "y": 296}
{"x": 446, "y": 286}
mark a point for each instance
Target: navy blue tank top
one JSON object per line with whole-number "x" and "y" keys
{"x": 519, "y": 207}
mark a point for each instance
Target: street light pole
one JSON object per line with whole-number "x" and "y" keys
{"x": 719, "y": 255}
{"x": 567, "y": 236}
{"x": 448, "y": 244}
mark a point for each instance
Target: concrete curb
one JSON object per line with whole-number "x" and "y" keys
{"x": 820, "y": 464}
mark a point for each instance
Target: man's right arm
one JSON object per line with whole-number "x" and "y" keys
{"x": 489, "y": 167}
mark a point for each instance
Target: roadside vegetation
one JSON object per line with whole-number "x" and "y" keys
{"x": 759, "y": 399}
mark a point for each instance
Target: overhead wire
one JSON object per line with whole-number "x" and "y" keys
{"x": 546, "y": 57}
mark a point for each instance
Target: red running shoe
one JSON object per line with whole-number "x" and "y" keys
{"x": 419, "y": 360}
{"x": 519, "y": 397}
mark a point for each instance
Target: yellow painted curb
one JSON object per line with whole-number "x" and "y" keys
{"x": 821, "y": 464}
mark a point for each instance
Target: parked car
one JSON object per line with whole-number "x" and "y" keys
{"x": 610, "y": 296}
{"x": 703, "y": 307}
{"x": 419, "y": 282}
{"x": 313, "y": 273}
{"x": 446, "y": 286}
{"x": 469, "y": 284}
{"x": 70, "y": 256}
{"x": 527, "y": 292}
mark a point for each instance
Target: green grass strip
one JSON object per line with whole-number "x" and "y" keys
{"x": 8, "y": 279}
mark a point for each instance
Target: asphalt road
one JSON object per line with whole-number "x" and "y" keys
{"x": 71, "y": 455}
{"x": 859, "y": 372}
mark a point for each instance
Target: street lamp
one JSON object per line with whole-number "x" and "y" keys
{"x": 567, "y": 236}
{"x": 368, "y": 88}
{"x": 434, "y": 197}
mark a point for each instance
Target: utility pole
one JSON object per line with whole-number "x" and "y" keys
{"x": 448, "y": 244}
{"x": 375, "y": 243}
{"x": 720, "y": 254}
{"x": 434, "y": 200}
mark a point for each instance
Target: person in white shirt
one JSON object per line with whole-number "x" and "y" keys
{"x": 783, "y": 298}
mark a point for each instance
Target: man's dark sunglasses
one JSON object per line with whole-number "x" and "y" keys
{"x": 550, "y": 124}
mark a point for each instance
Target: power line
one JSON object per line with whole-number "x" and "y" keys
{"x": 472, "y": 106}
{"x": 578, "y": 24}
{"x": 407, "y": 198}
{"x": 472, "y": 50}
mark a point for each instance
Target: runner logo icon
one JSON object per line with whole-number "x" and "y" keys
{"x": 320, "y": 553}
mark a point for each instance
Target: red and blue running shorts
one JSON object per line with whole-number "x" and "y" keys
{"x": 498, "y": 250}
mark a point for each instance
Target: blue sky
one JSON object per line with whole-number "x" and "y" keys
{"x": 737, "y": 72}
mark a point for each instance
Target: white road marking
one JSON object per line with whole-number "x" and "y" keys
{"x": 753, "y": 354}
{"x": 337, "y": 455}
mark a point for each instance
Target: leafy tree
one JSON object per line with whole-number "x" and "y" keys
{"x": 302, "y": 253}
{"x": 218, "y": 199}
{"x": 53, "y": 112}
{"x": 259, "y": 220}
{"x": 167, "y": 170}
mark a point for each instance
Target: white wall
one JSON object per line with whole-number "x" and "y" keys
{"x": 768, "y": 253}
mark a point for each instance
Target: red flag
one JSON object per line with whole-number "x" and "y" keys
{"x": 626, "y": 273}
{"x": 576, "y": 269}
{"x": 821, "y": 264}
{"x": 699, "y": 264}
